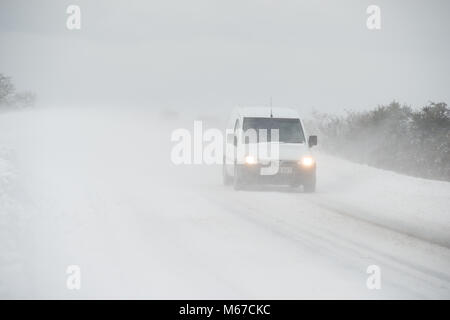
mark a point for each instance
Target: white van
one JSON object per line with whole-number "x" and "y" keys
{"x": 268, "y": 146}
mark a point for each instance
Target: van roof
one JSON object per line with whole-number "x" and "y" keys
{"x": 264, "y": 112}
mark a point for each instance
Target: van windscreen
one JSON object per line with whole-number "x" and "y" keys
{"x": 289, "y": 130}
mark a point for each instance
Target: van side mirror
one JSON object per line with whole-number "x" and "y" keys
{"x": 312, "y": 141}
{"x": 235, "y": 141}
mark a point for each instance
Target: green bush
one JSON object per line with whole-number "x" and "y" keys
{"x": 394, "y": 137}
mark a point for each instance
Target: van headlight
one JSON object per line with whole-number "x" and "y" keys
{"x": 250, "y": 160}
{"x": 307, "y": 161}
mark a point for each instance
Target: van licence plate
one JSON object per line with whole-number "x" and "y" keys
{"x": 285, "y": 170}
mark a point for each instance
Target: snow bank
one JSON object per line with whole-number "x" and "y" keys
{"x": 414, "y": 206}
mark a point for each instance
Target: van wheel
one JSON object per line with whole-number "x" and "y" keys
{"x": 237, "y": 180}
{"x": 227, "y": 180}
{"x": 310, "y": 185}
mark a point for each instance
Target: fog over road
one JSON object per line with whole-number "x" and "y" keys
{"x": 97, "y": 189}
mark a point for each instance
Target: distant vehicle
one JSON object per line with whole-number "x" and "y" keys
{"x": 250, "y": 133}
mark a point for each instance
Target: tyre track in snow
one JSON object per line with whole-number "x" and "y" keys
{"x": 364, "y": 216}
{"x": 340, "y": 246}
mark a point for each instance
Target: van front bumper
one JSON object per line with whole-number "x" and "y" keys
{"x": 289, "y": 172}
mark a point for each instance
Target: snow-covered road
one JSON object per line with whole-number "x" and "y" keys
{"x": 97, "y": 189}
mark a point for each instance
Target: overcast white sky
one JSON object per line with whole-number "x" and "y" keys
{"x": 212, "y": 55}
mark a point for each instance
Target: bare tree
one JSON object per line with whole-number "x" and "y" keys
{"x": 6, "y": 88}
{"x": 10, "y": 99}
